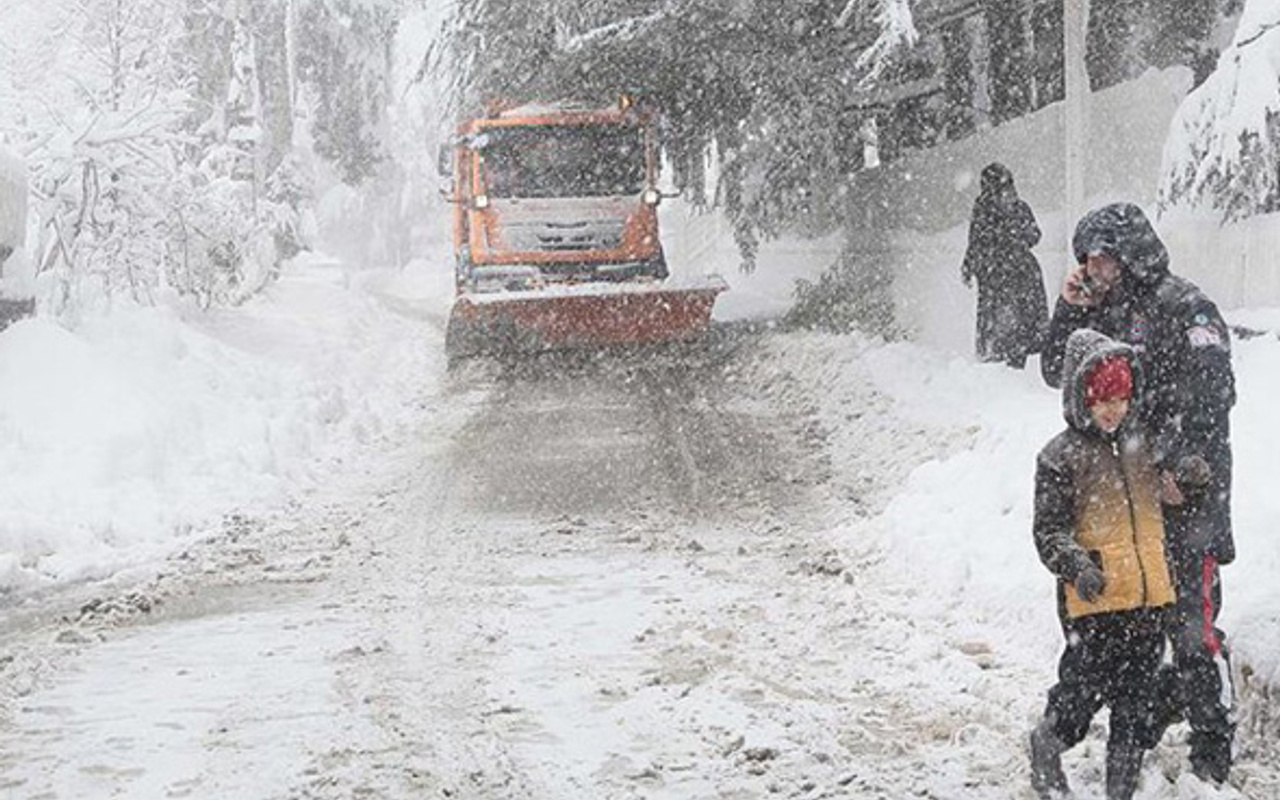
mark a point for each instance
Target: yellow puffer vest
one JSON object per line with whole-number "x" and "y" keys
{"x": 1118, "y": 522}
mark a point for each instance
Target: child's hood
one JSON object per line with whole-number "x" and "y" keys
{"x": 1085, "y": 349}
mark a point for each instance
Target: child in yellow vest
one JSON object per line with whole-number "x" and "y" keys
{"x": 1098, "y": 528}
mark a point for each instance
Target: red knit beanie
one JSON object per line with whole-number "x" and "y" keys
{"x": 1110, "y": 379}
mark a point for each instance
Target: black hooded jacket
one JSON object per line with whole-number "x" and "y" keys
{"x": 1097, "y": 498}
{"x": 1184, "y": 351}
{"x": 1001, "y": 228}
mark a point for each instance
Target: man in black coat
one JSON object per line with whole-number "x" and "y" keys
{"x": 1122, "y": 287}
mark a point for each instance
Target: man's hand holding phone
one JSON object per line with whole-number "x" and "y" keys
{"x": 1079, "y": 289}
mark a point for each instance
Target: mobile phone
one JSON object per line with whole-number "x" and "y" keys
{"x": 1087, "y": 286}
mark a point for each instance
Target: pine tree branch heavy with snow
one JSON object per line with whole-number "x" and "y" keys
{"x": 1223, "y": 151}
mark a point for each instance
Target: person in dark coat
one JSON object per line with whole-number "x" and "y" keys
{"x": 1122, "y": 287}
{"x": 1012, "y": 310}
{"x": 1098, "y": 527}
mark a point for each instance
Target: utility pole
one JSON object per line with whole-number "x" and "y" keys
{"x": 1075, "y": 30}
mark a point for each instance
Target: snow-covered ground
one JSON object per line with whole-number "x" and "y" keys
{"x": 122, "y": 438}
{"x": 247, "y": 442}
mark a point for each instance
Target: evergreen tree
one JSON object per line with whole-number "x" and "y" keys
{"x": 343, "y": 62}
{"x": 229, "y": 227}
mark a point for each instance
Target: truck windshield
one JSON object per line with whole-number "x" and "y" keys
{"x": 564, "y": 161}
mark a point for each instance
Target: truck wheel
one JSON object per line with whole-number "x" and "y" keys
{"x": 658, "y": 266}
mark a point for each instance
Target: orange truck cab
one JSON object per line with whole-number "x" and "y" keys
{"x": 556, "y": 193}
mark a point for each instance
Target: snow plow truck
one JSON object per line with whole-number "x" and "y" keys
{"x": 555, "y": 234}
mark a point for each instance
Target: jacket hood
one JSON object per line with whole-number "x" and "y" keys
{"x": 1085, "y": 348}
{"x": 1123, "y": 232}
{"x": 996, "y": 178}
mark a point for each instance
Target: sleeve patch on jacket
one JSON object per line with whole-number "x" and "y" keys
{"x": 1204, "y": 336}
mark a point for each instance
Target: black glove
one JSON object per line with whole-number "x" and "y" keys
{"x": 1193, "y": 471}
{"x": 1090, "y": 583}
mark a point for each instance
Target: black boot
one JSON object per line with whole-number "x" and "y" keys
{"x": 1124, "y": 765}
{"x": 1167, "y": 706}
{"x": 1210, "y": 756}
{"x": 1047, "y": 778}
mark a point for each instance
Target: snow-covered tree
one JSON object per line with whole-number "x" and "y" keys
{"x": 344, "y": 60}
{"x": 227, "y": 230}
{"x": 761, "y": 85}
{"x": 158, "y": 134}
{"x": 1223, "y": 150}
{"x": 102, "y": 142}
{"x": 13, "y": 211}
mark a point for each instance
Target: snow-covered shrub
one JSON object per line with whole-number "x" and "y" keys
{"x": 102, "y": 185}
{"x": 287, "y": 192}
{"x": 213, "y": 235}
{"x": 852, "y": 294}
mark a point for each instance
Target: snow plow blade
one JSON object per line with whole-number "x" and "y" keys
{"x": 581, "y": 316}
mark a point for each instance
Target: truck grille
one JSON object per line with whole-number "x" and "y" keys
{"x": 564, "y": 236}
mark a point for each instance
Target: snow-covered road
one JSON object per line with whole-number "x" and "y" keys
{"x": 584, "y": 580}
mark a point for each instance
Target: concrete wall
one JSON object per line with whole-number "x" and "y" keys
{"x": 914, "y": 213}
{"x": 913, "y": 217}
{"x": 1238, "y": 264}
{"x": 933, "y": 190}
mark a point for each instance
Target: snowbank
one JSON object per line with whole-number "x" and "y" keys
{"x": 124, "y": 436}
{"x": 1251, "y": 607}
{"x": 960, "y": 529}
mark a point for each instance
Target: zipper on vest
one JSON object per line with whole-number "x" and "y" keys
{"x": 1133, "y": 517}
